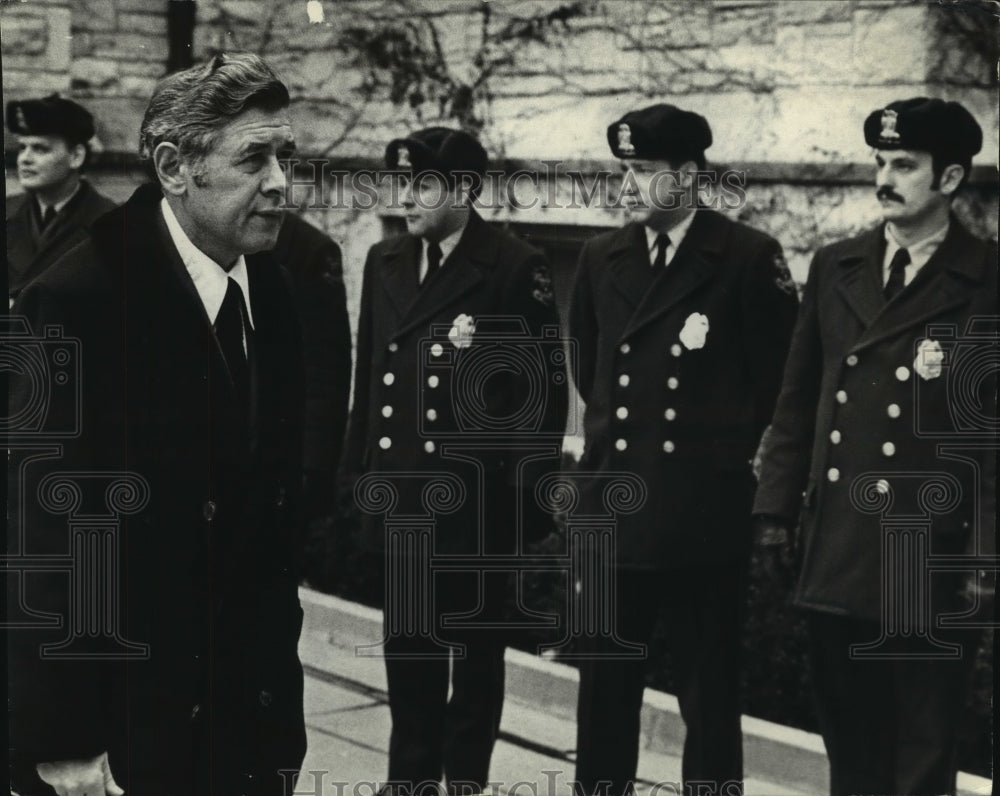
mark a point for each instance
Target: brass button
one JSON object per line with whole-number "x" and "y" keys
{"x": 387, "y": 411}
{"x": 882, "y": 486}
{"x": 893, "y": 411}
{"x": 625, "y": 348}
{"x": 385, "y": 443}
{"x": 672, "y": 383}
{"x": 833, "y": 474}
{"x": 621, "y": 412}
{"x": 902, "y": 373}
{"x": 208, "y": 510}
{"x": 429, "y": 446}
{"x": 835, "y": 437}
{"x": 888, "y": 449}
{"x": 265, "y": 698}
{"x": 670, "y": 414}
{"x": 668, "y": 446}
{"x": 393, "y": 347}
{"x": 621, "y": 444}
{"x": 195, "y": 711}
{"x": 388, "y": 379}
{"x": 433, "y": 381}
{"x": 281, "y": 496}
{"x": 676, "y": 350}
{"x": 852, "y": 360}
{"x": 623, "y": 380}
{"x": 432, "y": 414}
{"x": 437, "y": 350}
{"x": 841, "y": 397}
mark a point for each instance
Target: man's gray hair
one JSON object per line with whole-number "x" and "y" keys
{"x": 189, "y": 108}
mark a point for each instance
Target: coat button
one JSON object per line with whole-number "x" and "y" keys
{"x": 833, "y": 474}
{"x": 888, "y": 449}
{"x": 386, "y": 411}
{"x": 195, "y": 711}
{"x": 852, "y": 360}
{"x": 385, "y": 443}
{"x": 208, "y": 510}
{"x": 621, "y": 412}
{"x": 893, "y": 411}
{"x": 429, "y": 446}
{"x": 835, "y": 437}
{"x": 393, "y": 347}
{"x": 902, "y": 373}
{"x": 388, "y": 379}
{"x": 625, "y": 348}
{"x": 433, "y": 381}
{"x": 265, "y": 698}
{"x": 841, "y": 397}
{"x": 432, "y": 414}
{"x": 676, "y": 350}
{"x": 621, "y": 444}
{"x": 882, "y": 486}
{"x": 672, "y": 382}
{"x": 670, "y": 414}
{"x": 437, "y": 350}
{"x": 280, "y": 500}
{"x": 668, "y": 446}
{"x": 623, "y": 380}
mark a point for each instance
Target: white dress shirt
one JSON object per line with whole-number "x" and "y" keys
{"x": 920, "y": 252}
{"x": 210, "y": 279}
{"x": 447, "y": 247}
{"x": 676, "y": 234}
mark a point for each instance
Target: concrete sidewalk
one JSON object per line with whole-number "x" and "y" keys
{"x": 347, "y": 719}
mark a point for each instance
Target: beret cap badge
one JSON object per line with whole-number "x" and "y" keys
{"x": 403, "y": 157}
{"x": 22, "y": 123}
{"x": 625, "y": 146}
{"x": 889, "y": 119}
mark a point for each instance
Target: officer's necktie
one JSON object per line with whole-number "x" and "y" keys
{"x": 662, "y": 244}
{"x": 433, "y": 259}
{"x": 897, "y": 275}
{"x": 230, "y": 326}
{"x": 48, "y": 214}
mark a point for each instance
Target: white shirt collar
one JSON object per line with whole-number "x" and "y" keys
{"x": 920, "y": 252}
{"x": 676, "y": 234}
{"x": 447, "y": 247}
{"x": 210, "y": 279}
{"x": 58, "y": 206}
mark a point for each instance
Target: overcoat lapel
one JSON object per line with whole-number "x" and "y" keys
{"x": 694, "y": 264}
{"x": 628, "y": 263}
{"x": 399, "y": 273}
{"x": 460, "y": 274}
{"x": 941, "y": 285}
{"x": 859, "y": 277}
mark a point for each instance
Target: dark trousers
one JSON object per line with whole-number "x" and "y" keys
{"x": 890, "y": 725}
{"x": 702, "y": 608}
{"x": 432, "y": 734}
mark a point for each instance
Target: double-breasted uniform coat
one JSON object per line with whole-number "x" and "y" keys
{"x": 882, "y": 449}
{"x": 31, "y": 249}
{"x": 680, "y": 371}
{"x": 206, "y": 565}
{"x": 432, "y": 397}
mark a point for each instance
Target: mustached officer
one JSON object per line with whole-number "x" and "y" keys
{"x": 861, "y": 437}
{"x": 682, "y": 318}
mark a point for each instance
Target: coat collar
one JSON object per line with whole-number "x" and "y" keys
{"x": 941, "y": 285}
{"x": 473, "y": 258}
{"x": 695, "y": 263}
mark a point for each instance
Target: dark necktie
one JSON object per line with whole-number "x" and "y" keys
{"x": 897, "y": 275}
{"x": 433, "y": 259}
{"x": 48, "y": 214}
{"x": 660, "y": 261}
{"x": 229, "y": 329}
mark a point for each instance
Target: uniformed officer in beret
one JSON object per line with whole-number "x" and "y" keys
{"x": 858, "y": 436}
{"x": 453, "y": 296}
{"x": 52, "y": 135}
{"x": 682, "y": 319}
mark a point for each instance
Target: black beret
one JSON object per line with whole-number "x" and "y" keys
{"x": 51, "y": 115}
{"x": 928, "y": 125}
{"x": 659, "y": 132}
{"x": 439, "y": 149}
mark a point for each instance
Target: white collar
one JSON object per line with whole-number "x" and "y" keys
{"x": 920, "y": 251}
{"x": 447, "y": 246}
{"x": 58, "y": 206}
{"x": 676, "y": 234}
{"x": 210, "y": 279}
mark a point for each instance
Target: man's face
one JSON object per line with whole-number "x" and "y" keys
{"x": 903, "y": 186}
{"x": 232, "y": 200}
{"x": 430, "y": 207}
{"x": 46, "y": 162}
{"x": 653, "y": 191}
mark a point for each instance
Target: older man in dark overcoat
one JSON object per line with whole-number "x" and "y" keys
{"x": 460, "y": 381}
{"x": 181, "y": 673}
{"x": 883, "y": 451}
{"x": 58, "y": 204}
{"x": 682, "y": 319}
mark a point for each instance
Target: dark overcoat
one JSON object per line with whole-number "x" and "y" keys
{"x": 684, "y": 417}
{"x": 864, "y": 421}
{"x": 206, "y": 576}
{"x": 425, "y": 403}
{"x": 31, "y": 250}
